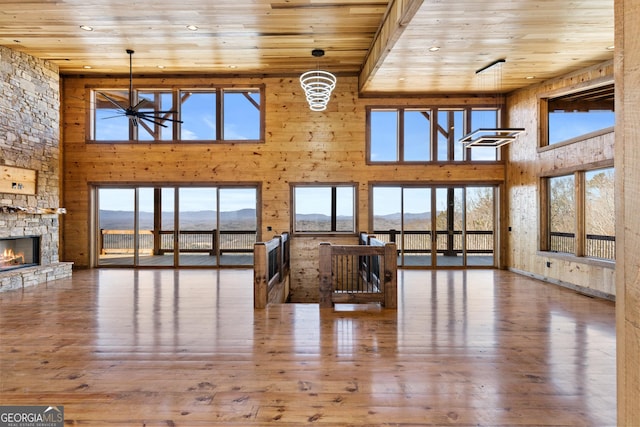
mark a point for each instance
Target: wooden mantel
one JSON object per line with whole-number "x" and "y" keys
{"x": 32, "y": 210}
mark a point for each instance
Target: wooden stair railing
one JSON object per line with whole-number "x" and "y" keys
{"x": 358, "y": 274}
{"x": 271, "y": 271}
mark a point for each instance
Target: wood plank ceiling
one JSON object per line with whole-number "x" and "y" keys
{"x": 386, "y": 42}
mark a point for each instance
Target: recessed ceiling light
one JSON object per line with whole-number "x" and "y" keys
{"x": 611, "y": 47}
{"x": 530, "y": 77}
{"x": 401, "y": 79}
{"x": 233, "y": 66}
{"x": 161, "y": 66}
{"x": 434, "y": 49}
{"x": 86, "y": 67}
{"x": 192, "y": 28}
{"x": 86, "y": 28}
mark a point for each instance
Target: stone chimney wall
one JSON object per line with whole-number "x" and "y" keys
{"x": 30, "y": 139}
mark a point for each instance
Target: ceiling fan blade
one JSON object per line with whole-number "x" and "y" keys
{"x": 153, "y": 120}
{"x": 113, "y": 117}
{"x": 167, "y": 119}
{"x": 154, "y": 115}
{"x": 138, "y": 105}
{"x": 141, "y": 103}
{"x": 113, "y": 101}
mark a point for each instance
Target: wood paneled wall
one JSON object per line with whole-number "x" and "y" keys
{"x": 300, "y": 146}
{"x": 526, "y": 164}
{"x": 627, "y": 72}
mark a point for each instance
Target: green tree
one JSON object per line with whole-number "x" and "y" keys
{"x": 600, "y": 202}
{"x": 562, "y": 206}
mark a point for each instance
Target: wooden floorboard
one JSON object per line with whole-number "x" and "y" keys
{"x": 121, "y": 347}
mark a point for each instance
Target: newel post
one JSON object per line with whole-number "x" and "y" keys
{"x": 260, "y": 274}
{"x": 390, "y": 276}
{"x": 326, "y": 282}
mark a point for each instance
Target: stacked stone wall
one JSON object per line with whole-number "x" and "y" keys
{"x": 30, "y": 139}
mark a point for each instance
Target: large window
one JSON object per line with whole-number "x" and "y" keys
{"x": 436, "y": 226}
{"x": 577, "y": 115}
{"x": 175, "y": 226}
{"x": 397, "y": 135}
{"x": 324, "y": 208}
{"x": 579, "y": 212}
{"x": 400, "y": 135}
{"x": 562, "y": 213}
{"x": 599, "y": 214}
{"x": 223, "y": 114}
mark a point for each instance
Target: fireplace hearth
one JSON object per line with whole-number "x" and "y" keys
{"x": 19, "y": 252}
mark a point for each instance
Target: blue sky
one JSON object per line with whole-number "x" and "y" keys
{"x": 198, "y": 113}
{"x": 418, "y": 130}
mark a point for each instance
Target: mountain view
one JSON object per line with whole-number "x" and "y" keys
{"x": 244, "y": 219}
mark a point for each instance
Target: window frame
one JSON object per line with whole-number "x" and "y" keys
{"x": 176, "y": 93}
{"x": 543, "y": 111}
{"x": 174, "y": 207}
{"x": 544, "y": 244}
{"x": 333, "y": 186}
{"x": 433, "y": 132}
{"x": 577, "y": 220}
{"x": 432, "y": 187}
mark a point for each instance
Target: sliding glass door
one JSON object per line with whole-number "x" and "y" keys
{"x": 175, "y": 226}
{"x": 156, "y": 219}
{"x": 416, "y": 230}
{"x": 198, "y": 225}
{"x": 449, "y": 211}
{"x": 480, "y": 225}
{"x": 437, "y": 226}
{"x": 116, "y": 225}
{"x": 238, "y": 225}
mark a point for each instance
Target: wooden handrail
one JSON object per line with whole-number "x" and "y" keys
{"x": 361, "y": 273}
{"x": 271, "y": 271}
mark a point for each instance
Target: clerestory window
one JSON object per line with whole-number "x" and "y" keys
{"x": 577, "y": 115}
{"x": 427, "y": 134}
{"x": 221, "y": 114}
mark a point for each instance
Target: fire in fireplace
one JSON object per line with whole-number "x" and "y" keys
{"x": 17, "y": 252}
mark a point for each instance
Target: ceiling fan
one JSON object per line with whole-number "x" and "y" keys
{"x": 134, "y": 112}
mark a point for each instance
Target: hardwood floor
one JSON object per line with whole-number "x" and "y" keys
{"x": 185, "y": 348}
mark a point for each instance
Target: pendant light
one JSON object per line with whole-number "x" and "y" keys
{"x": 318, "y": 85}
{"x": 492, "y": 137}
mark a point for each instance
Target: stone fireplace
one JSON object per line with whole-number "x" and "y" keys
{"x": 32, "y": 239}
{"x": 30, "y": 166}
{"x": 19, "y": 252}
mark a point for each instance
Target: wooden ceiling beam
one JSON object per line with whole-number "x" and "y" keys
{"x": 398, "y": 16}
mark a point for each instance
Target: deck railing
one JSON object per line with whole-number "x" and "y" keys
{"x": 482, "y": 242}
{"x": 357, "y": 274}
{"x": 418, "y": 241}
{"x": 596, "y": 246}
{"x": 189, "y": 241}
{"x": 271, "y": 271}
